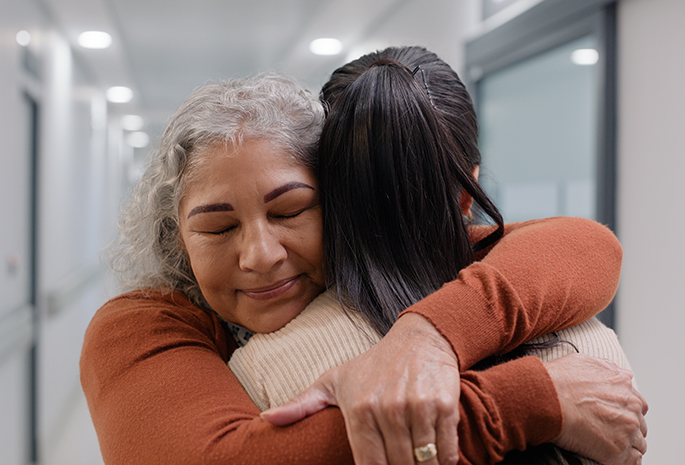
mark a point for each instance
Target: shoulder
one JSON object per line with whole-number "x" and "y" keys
{"x": 571, "y": 232}
{"x": 591, "y": 338}
{"x": 154, "y": 317}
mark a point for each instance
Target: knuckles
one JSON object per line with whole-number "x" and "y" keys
{"x": 398, "y": 406}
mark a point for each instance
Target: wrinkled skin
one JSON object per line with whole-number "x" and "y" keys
{"x": 603, "y": 412}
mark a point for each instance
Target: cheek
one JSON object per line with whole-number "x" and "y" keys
{"x": 312, "y": 244}
{"x": 209, "y": 266}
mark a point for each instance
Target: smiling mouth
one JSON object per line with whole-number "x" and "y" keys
{"x": 271, "y": 291}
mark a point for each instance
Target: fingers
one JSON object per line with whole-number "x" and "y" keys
{"x": 642, "y": 413}
{"x": 391, "y": 427}
{"x": 645, "y": 406}
{"x": 641, "y": 445}
{"x": 405, "y": 422}
{"x": 641, "y": 442}
{"x": 643, "y": 426}
{"x": 423, "y": 433}
{"x": 392, "y": 396}
{"x": 422, "y": 440}
{"x": 448, "y": 439}
{"x": 317, "y": 397}
{"x": 367, "y": 444}
{"x": 435, "y": 422}
{"x": 400, "y": 450}
{"x": 633, "y": 457}
{"x": 604, "y": 415}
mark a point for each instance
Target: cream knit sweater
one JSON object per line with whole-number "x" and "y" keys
{"x": 275, "y": 367}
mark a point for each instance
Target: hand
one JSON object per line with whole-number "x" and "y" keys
{"x": 603, "y": 413}
{"x": 402, "y": 393}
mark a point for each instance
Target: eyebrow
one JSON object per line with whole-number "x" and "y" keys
{"x": 285, "y": 188}
{"x": 215, "y": 207}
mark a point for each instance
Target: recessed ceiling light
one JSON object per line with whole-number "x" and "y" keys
{"x": 325, "y": 46}
{"x": 94, "y": 39}
{"x": 23, "y": 38}
{"x": 132, "y": 122}
{"x": 585, "y": 56}
{"x": 119, "y": 94}
{"x": 138, "y": 139}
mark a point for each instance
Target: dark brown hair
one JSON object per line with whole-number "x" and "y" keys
{"x": 395, "y": 155}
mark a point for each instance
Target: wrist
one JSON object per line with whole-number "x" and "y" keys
{"x": 526, "y": 399}
{"x": 414, "y": 326}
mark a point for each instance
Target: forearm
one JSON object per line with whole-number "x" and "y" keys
{"x": 507, "y": 407}
{"x": 159, "y": 391}
{"x": 542, "y": 276}
{"x": 174, "y": 421}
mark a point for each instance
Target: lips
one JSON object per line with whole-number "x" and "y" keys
{"x": 271, "y": 291}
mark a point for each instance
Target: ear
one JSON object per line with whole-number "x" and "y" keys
{"x": 466, "y": 201}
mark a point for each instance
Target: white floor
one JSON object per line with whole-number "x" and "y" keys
{"x": 78, "y": 444}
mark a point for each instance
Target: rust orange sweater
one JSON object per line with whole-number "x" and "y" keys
{"x": 154, "y": 369}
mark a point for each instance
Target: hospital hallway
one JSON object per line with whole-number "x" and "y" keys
{"x": 580, "y": 105}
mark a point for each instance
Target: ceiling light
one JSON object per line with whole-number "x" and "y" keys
{"x": 138, "y": 140}
{"x": 119, "y": 94}
{"x": 132, "y": 122}
{"x": 585, "y": 56}
{"x": 23, "y": 38}
{"x": 94, "y": 39}
{"x": 325, "y": 46}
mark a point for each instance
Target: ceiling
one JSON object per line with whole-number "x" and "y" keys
{"x": 163, "y": 49}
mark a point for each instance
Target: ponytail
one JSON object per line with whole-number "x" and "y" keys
{"x": 386, "y": 169}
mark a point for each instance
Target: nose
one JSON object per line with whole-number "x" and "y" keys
{"x": 261, "y": 248}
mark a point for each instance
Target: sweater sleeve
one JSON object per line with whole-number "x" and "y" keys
{"x": 504, "y": 408}
{"x": 542, "y": 276}
{"x": 153, "y": 369}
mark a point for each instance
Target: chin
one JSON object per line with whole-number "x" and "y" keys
{"x": 261, "y": 317}
{"x": 277, "y": 323}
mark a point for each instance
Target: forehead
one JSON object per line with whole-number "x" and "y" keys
{"x": 253, "y": 162}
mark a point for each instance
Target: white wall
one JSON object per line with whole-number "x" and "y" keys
{"x": 15, "y": 206}
{"x": 651, "y": 213}
{"x": 79, "y": 185}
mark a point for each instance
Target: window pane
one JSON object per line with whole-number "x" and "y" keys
{"x": 538, "y": 137}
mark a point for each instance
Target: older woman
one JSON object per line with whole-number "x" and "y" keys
{"x": 225, "y": 228}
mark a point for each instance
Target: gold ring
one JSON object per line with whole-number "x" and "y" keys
{"x": 425, "y": 453}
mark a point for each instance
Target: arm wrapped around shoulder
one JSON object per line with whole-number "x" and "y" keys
{"x": 542, "y": 276}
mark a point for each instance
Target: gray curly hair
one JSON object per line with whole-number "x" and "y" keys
{"x": 149, "y": 252}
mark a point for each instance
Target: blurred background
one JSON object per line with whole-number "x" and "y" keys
{"x": 581, "y": 105}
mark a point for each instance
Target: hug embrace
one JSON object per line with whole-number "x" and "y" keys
{"x": 338, "y": 256}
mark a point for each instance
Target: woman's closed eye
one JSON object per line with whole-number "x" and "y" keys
{"x": 285, "y": 216}
{"x": 222, "y": 231}
{"x": 294, "y": 212}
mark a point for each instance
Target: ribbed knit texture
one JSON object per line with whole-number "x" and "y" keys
{"x": 275, "y": 367}
{"x": 590, "y": 338}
